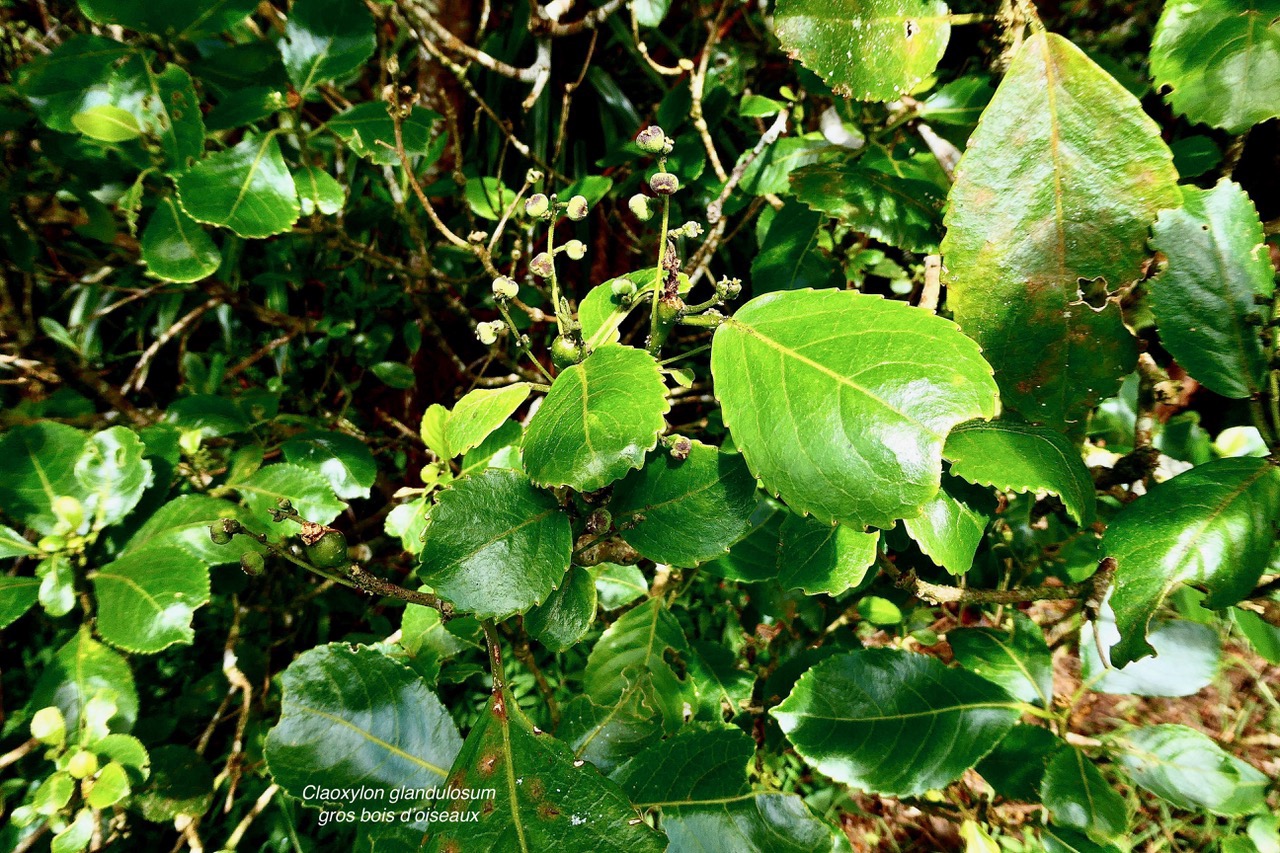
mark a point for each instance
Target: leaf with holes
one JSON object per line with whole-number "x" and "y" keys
{"x": 872, "y": 50}
{"x": 1212, "y": 526}
{"x": 497, "y": 545}
{"x": 644, "y": 641}
{"x": 598, "y": 421}
{"x": 1218, "y": 61}
{"x": 825, "y": 421}
{"x": 146, "y": 598}
{"x": 1018, "y": 457}
{"x": 854, "y": 716}
{"x": 1203, "y": 300}
{"x": 1058, "y": 186}
{"x": 351, "y": 717}
{"x": 247, "y": 189}
{"x": 537, "y": 797}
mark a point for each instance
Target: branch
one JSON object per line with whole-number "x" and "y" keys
{"x": 543, "y": 25}
{"x": 1091, "y": 589}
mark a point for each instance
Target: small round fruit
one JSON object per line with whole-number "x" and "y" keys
{"x": 252, "y": 563}
{"x": 664, "y": 183}
{"x": 537, "y": 205}
{"x": 329, "y": 551}
{"x": 577, "y": 208}
{"x": 651, "y": 140}
{"x": 48, "y": 726}
{"x": 82, "y": 765}
{"x": 566, "y": 352}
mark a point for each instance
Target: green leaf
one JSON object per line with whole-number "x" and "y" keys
{"x": 1185, "y": 767}
{"x": 1261, "y": 634}
{"x": 537, "y": 796}
{"x": 170, "y": 111}
{"x": 395, "y": 374}
{"x": 953, "y": 523}
{"x": 17, "y": 594}
{"x": 183, "y": 523}
{"x": 146, "y": 599}
{"x": 649, "y": 13}
{"x": 181, "y": 784}
{"x": 81, "y": 670}
{"x": 311, "y": 494}
{"x": 790, "y": 257}
{"x": 246, "y": 106}
{"x": 601, "y": 312}
{"x": 872, "y": 50}
{"x": 643, "y": 641}
{"x": 57, "y": 585}
{"x": 617, "y": 585}
{"x": 368, "y": 129}
{"x": 1016, "y": 767}
{"x": 39, "y": 461}
{"x": 853, "y": 715}
{"x": 959, "y": 103}
{"x": 352, "y": 717}
{"x": 76, "y": 837}
{"x": 1017, "y": 660}
{"x": 432, "y": 430}
{"x": 823, "y": 558}
{"x": 607, "y": 736}
{"x": 902, "y": 211}
{"x": 598, "y": 421}
{"x": 1186, "y": 659}
{"x": 567, "y": 614}
{"x": 58, "y": 83}
{"x": 1203, "y": 300}
{"x": 1058, "y": 840}
{"x": 186, "y": 19}
{"x": 500, "y": 449}
{"x": 1212, "y": 526}
{"x": 319, "y": 192}
{"x": 489, "y": 198}
{"x": 113, "y": 474}
{"x": 1218, "y": 61}
{"x": 107, "y": 123}
{"x": 825, "y": 421}
{"x": 1018, "y": 457}
{"x": 109, "y": 787}
{"x": 683, "y": 512}
{"x": 479, "y": 413}
{"x": 771, "y": 170}
{"x": 698, "y": 781}
{"x": 343, "y": 460}
{"x": 325, "y": 40}
{"x": 497, "y": 545}
{"x": 755, "y": 557}
{"x": 12, "y": 544}
{"x": 247, "y": 189}
{"x": 175, "y": 247}
{"x": 1078, "y": 796}
{"x": 1059, "y": 184}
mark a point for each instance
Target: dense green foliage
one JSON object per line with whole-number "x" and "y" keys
{"x": 710, "y": 425}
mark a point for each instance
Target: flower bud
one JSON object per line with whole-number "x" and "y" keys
{"x": 577, "y": 209}
{"x": 624, "y": 288}
{"x": 532, "y": 176}
{"x": 664, "y": 183}
{"x": 48, "y": 726}
{"x": 488, "y": 332}
{"x": 505, "y": 288}
{"x": 542, "y": 265}
{"x": 575, "y": 249}
{"x": 537, "y": 205}
{"x": 691, "y": 229}
{"x": 651, "y": 140}
{"x": 69, "y": 511}
{"x": 639, "y": 204}
{"x": 82, "y": 765}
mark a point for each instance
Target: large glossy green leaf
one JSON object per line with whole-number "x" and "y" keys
{"x": 479, "y": 413}
{"x": 825, "y": 421}
{"x": 1212, "y": 526}
{"x": 598, "y": 421}
{"x": 893, "y": 722}
{"x": 567, "y": 614}
{"x": 81, "y": 670}
{"x": 608, "y": 735}
{"x": 497, "y": 545}
{"x": 309, "y": 492}
{"x": 1203, "y": 300}
{"x": 537, "y": 796}
{"x": 1219, "y": 60}
{"x": 368, "y": 129}
{"x": 112, "y": 474}
{"x": 183, "y": 523}
{"x": 872, "y": 50}
{"x": 343, "y": 460}
{"x": 325, "y": 40}
{"x": 1016, "y": 767}
{"x": 697, "y": 780}
{"x": 1059, "y": 184}
{"x": 1188, "y": 769}
{"x": 354, "y": 717}
{"x": 175, "y": 247}
{"x": 755, "y": 557}
{"x": 1017, "y": 660}
{"x": 1080, "y": 797}
{"x": 57, "y": 83}
{"x": 790, "y": 256}
{"x": 39, "y": 461}
{"x": 319, "y": 192}
{"x": 1059, "y": 840}
{"x": 17, "y": 595}
{"x": 823, "y": 558}
{"x": 643, "y": 642}
{"x": 186, "y": 19}
{"x": 902, "y": 211}
{"x": 683, "y": 512}
{"x": 147, "y": 597}
{"x": 1186, "y": 659}
{"x": 247, "y": 188}
{"x": 953, "y": 523}
{"x": 1018, "y": 457}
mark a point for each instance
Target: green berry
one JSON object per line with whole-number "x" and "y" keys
{"x": 566, "y": 352}
{"x": 252, "y": 563}
{"x": 652, "y": 140}
{"x": 82, "y": 765}
{"x": 664, "y": 183}
{"x": 223, "y": 529}
{"x": 329, "y": 551}
{"x": 48, "y": 726}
